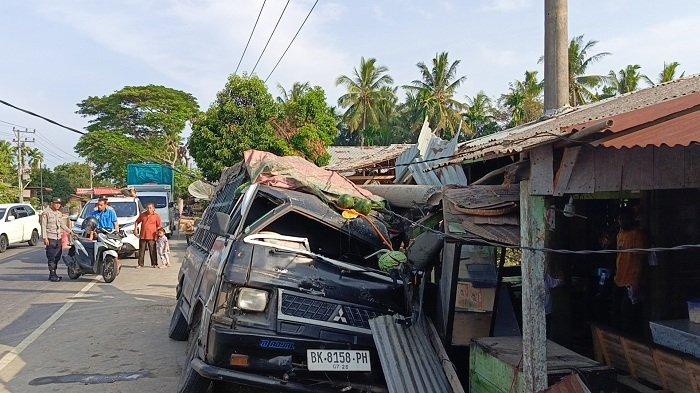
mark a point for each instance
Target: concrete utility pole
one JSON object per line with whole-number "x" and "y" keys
{"x": 532, "y": 204}
{"x": 556, "y": 55}
{"x": 20, "y": 156}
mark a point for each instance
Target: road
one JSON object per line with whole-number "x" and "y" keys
{"x": 85, "y": 335}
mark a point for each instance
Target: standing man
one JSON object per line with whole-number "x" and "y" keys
{"x": 150, "y": 222}
{"x": 52, "y": 228}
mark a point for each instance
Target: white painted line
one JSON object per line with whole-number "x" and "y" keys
{"x": 16, "y": 351}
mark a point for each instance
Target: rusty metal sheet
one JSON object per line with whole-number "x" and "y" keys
{"x": 350, "y": 158}
{"x": 678, "y": 131}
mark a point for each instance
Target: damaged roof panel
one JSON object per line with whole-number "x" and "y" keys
{"x": 350, "y": 158}
{"x": 529, "y": 135}
{"x": 485, "y": 211}
{"x": 409, "y": 362}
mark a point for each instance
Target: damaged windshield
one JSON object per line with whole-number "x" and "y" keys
{"x": 324, "y": 239}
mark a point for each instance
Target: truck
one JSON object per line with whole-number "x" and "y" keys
{"x": 154, "y": 184}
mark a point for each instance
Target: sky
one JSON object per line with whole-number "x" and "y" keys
{"x": 57, "y": 53}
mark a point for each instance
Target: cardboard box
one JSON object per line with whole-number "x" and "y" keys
{"x": 470, "y": 298}
{"x": 469, "y": 325}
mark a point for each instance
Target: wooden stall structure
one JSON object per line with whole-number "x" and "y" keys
{"x": 636, "y": 154}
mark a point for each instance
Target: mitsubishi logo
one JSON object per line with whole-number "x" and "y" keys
{"x": 340, "y": 317}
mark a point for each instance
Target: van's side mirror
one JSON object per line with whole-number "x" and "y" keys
{"x": 73, "y": 217}
{"x": 171, "y": 204}
{"x": 10, "y": 218}
{"x": 219, "y": 224}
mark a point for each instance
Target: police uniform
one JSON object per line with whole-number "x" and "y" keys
{"x": 52, "y": 228}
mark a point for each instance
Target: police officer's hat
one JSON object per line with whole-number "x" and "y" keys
{"x": 57, "y": 200}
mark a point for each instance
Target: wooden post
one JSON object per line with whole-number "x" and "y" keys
{"x": 532, "y": 234}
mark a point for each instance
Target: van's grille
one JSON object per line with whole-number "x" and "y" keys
{"x": 320, "y": 310}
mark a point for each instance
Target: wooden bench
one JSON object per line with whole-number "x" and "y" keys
{"x": 647, "y": 362}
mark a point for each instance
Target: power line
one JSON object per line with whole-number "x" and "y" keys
{"x": 250, "y": 37}
{"x": 270, "y": 37}
{"x": 13, "y": 124}
{"x": 292, "y": 41}
{"x": 56, "y": 147}
{"x": 191, "y": 176}
{"x": 42, "y": 117}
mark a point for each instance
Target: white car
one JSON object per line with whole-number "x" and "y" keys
{"x": 127, "y": 209}
{"x": 19, "y": 223}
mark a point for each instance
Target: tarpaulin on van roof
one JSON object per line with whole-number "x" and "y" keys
{"x": 295, "y": 173}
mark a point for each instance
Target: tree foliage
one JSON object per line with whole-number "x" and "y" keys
{"x": 365, "y": 96}
{"x": 245, "y": 116}
{"x": 523, "y": 103}
{"x": 479, "y": 116}
{"x": 8, "y": 173}
{"x": 582, "y": 85}
{"x": 436, "y": 90}
{"x": 132, "y": 125}
{"x": 626, "y": 80}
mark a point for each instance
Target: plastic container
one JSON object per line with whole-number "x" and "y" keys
{"x": 694, "y": 310}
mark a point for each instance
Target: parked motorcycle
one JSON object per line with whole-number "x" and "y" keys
{"x": 99, "y": 256}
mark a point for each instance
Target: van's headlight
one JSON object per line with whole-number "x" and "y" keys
{"x": 252, "y": 299}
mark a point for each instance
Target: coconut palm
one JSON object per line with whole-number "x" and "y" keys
{"x": 669, "y": 73}
{"x": 523, "y": 102}
{"x": 436, "y": 90}
{"x": 364, "y": 95}
{"x": 626, "y": 80}
{"x": 479, "y": 115}
{"x": 581, "y": 85}
{"x": 298, "y": 89}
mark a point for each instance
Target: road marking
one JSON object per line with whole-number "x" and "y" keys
{"x": 16, "y": 351}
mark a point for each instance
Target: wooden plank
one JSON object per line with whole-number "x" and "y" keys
{"x": 447, "y": 364}
{"x": 608, "y": 169}
{"x": 532, "y": 233}
{"x": 638, "y": 169}
{"x": 566, "y": 167}
{"x": 582, "y": 179}
{"x": 541, "y": 170}
{"x": 692, "y": 166}
{"x": 668, "y": 167}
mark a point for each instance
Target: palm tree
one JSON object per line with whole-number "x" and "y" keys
{"x": 479, "y": 115}
{"x": 523, "y": 102}
{"x": 364, "y": 96}
{"x": 581, "y": 85}
{"x": 668, "y": 73}
{"x": 626, "y": 80}
{"x": 298, "y": 89}
{"x": 436, "y": 91}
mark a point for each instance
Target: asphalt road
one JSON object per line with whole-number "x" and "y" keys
{"x": 84, "y": 335}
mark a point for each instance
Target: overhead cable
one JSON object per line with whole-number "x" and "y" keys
{"x": 42, "y": 117}
{"x": 292, "y": 41}
{"x": 270, "y": 37}
{"x": 250, "y": 37}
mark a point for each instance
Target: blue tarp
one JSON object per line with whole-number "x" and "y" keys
{"x": 149, "y": 173}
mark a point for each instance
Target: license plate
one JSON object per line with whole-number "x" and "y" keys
{"x": 337, "y": 360}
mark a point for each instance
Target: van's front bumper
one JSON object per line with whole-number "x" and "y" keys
{"x": 248, "y": 379}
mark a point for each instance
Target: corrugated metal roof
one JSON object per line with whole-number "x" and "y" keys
{"x": 409, "y": 362}
{"x": 349, "y": 158}
{"x": 680, "y": 131}
{"x": 529, "y": 135}
{"x": 430, "y": 148}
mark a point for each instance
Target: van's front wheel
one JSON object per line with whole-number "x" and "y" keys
{"x": 190, "y": 380}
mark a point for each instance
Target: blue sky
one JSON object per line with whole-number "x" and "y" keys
{"x": 56, "y": 53}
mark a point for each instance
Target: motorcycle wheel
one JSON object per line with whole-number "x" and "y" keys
{"x": 109, "y": 269}
{"x": 73, "y": 273}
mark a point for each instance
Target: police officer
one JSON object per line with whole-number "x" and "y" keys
{"x": 52, "y": 228}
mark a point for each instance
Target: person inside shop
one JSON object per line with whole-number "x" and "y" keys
{"x": 629, "y": 270}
